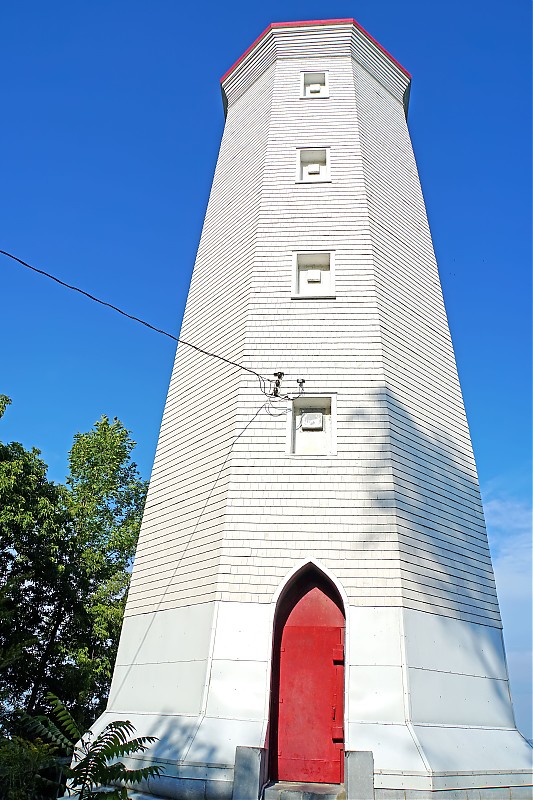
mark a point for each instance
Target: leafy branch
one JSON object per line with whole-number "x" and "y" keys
{"x": 94, "y": 763}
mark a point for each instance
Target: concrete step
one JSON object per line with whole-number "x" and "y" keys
{"x": 304, "y": 791}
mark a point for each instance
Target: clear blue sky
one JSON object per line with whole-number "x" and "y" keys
{"x": 112, "y": 119}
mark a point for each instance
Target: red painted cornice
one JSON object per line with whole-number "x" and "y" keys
{"x": 306, "y": 23}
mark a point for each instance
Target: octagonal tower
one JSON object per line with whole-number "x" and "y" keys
{"x": 313, "y": 577}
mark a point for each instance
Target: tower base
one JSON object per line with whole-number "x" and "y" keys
{"x": 212, "y": 661}
{"x": 465, "y": 786}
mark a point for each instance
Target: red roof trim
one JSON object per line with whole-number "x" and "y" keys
{"x": 306, "y": 23}
{"x": 248, "y": 50}
{"x": 385, "y": 52}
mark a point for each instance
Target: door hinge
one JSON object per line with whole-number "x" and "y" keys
{"x": 337, "y": 733}
{"x": 338, "y": 654}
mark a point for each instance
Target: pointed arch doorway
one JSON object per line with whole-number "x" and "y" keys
{"x": 307, "y": 698}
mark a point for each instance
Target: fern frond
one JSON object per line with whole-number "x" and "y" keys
{"x": 83, "y": 772}
{"x": 104, "y": 740}
{"x": 111, "y": 772}
{"x": 91, "y": 768}
{"x": 125, "y": 748}
{"x": 64, "y": 717}
{"x": 46, "y": 730}
{"x": 142, "y": 774}
{"x": 133, "y": 776}
{"x": 35, "y": 725}
{"x": 113, "y": 734}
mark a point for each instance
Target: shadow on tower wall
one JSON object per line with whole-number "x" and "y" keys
{"x": 445, "y": 570}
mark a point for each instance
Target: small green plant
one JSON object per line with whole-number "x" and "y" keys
{"x": 21, "y": 763}
{"x": 88, "y": 764}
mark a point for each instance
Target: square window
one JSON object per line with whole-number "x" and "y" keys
{"x": 312, "y": 165}
{"x": 312, "y": 426}
{"x": 314, "y": 84}
{"x": 313, "y": 275}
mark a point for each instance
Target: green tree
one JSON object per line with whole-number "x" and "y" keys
{"x": 65, "y": 554}
{"x": 106, "y": 498}
{"x": 38, "y": 583}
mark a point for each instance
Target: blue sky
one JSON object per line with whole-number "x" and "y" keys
{"x": 112, "y": 120}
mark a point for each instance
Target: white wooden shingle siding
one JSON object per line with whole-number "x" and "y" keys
{"x": 177, "y": 559}
{"x": 396, "y": 514}
{"x": 441, "y": 531}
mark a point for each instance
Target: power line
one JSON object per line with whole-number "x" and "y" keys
{"x": 263, "y": 382}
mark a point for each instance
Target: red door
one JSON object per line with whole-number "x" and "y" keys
{"x": 310, "y": 738}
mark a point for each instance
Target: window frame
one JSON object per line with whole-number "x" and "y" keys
{"x": 323, "y": 95}
{"x": 320, "y": 179}
{"x": 296, "y": 403}
{"x": 295, "y": 294}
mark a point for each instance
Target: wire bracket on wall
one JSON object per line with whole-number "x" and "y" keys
{"x": 277, "y": 383}
{"x": 274, "y": 407}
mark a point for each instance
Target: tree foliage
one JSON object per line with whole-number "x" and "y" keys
{"x": 22, "y": 763}
{"x": 65, "y": 554}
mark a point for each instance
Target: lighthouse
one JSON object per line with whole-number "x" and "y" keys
{"x": 312, "y": 606}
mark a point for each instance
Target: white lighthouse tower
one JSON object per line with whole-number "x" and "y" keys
{"x": 313, "y": 601}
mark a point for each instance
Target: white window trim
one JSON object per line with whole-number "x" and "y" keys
{"x": 332, "y": 397}
{"x": 328, "y": 164}
{"x": 295, "y": 295}
{"x": 322, "y": 96}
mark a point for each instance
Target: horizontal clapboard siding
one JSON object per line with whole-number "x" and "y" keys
{"x": 445, "y": 561}
{"x": 395, "y": 514}
{"x": 178, "y": 554}
{"x": 338, "y": 510}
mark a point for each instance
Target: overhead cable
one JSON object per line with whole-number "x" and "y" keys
{"x": 263, "y": 382}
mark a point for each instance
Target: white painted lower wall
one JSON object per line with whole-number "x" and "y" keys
{"x": 428, "y": 695}
{"x": 162, "y": 661}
